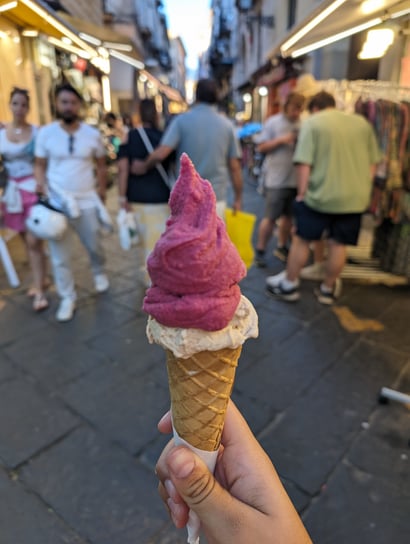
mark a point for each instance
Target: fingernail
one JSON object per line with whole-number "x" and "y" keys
{"x": 163, "y": 417}
{"x": 181, "y": 462}
{"x": 169, "y": 486}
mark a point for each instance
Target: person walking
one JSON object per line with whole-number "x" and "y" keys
{"x": 336, "y": 156}
{"x": 277, "y": 141}
{"x": 17, "y": 151}
{"x": 209, "y": 140}
{"x": 67, "y": 152}
{"x": 145, "y": 195}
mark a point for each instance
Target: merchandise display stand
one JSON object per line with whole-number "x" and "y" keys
{"x": 5, "y": 258}
{"x": 391, "y": 394}
{"x": 7, "y": 262}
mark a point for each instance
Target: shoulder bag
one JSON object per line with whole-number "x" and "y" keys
{"x": 150, "y": 149}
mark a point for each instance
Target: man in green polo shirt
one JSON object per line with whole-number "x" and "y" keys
{"x": 335, "y": 157}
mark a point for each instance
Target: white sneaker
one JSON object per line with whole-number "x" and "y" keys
{"x": 274, "y": 281}
{"x": 66, "y": 310}
{"x": 315, "y": 271}
{"x": 101, "y": 283}
{"x": 329, "y": 298}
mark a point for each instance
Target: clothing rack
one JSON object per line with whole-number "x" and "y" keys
{"x": 5, "y": 257}
{"x": 347, "y": 92}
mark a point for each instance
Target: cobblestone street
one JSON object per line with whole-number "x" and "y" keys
{"x": 79, "y": 404}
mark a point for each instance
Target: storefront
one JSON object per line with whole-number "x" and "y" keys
{"x": 368, "y": 43}
{"x": 325, "y": 35}
{"x": 38, "y": 50}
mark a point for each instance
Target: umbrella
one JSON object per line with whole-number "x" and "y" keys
{"x": 249, "y": 129}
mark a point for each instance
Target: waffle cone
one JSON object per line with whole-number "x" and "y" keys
{"x": 200, "y": 387}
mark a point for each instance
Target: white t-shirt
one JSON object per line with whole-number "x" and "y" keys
{"x": 70, "y": 164}
{"x": 278, "y": 164}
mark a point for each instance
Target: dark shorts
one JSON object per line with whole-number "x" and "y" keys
{"x": 279, "y": 202}
{"x": 312, "y": 225}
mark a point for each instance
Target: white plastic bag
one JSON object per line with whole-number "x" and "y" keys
{"x": 127, "y": 229}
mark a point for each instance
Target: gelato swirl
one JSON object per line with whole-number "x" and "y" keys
{"x": 185, "y": 342}
{"x": 194, "y": 267}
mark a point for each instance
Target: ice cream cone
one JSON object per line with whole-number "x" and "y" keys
{"x": 200, "y": 387}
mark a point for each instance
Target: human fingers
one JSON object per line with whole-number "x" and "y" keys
{"x": 223, "y": 518}
{"x": 173, "y": 501}
{"x": 165, "y": 423}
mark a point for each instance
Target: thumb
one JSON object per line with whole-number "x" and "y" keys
{"x": 215, "y": 507}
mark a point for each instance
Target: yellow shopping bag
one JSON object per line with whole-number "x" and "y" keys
{"x": 240, "y": 227}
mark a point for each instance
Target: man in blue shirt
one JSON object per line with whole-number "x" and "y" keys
{"x": 209, "y": 140}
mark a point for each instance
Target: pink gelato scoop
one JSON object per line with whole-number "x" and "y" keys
{"x": 194, "y": 267}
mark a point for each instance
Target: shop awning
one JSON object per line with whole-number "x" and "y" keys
{"x": 334, "y": 20}
{"x": 102, "y": 36}
{"x": 36, "y": 15}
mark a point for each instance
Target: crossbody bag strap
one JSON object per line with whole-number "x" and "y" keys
{"x": 150, "y": 149}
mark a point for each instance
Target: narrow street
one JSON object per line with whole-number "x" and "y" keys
{"x": 79, "y": 403}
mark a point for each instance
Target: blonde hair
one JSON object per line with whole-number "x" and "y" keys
{"x": 294, "y": 99}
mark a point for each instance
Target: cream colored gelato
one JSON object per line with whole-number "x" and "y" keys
{"x": 185, "y": 342}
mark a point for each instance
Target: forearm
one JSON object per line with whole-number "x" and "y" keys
{"x": 40, "y": 170}
{"x": 101, "y": 174}
{"x": 270, "y": 145}
{"x": 123, "y": 172}
{"x": 237, "y": 180}
{"x": 158, "y": 155}
{"x": 302, "y": 177}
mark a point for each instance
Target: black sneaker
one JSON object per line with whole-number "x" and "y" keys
{"x": 281, "y": 253}
{"x": 288, "y": 295}
{"x": 329, "y": 298}
{"x": 260, "y": 261}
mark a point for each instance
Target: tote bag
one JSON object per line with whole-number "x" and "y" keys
{"x": 239, "y": 226}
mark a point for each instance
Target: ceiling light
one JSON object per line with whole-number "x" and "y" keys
{"x": 377, "y": 42}
{"x": 89, "y": 39}
{"x": 400, "y": 13}
{"x": 55, "y": 23}
{"x": 125, "y": 58}
{"x": 70, "y": 48}
{"x": 30, "y": 33}
{"x": 369, "y": 6}
{"x": 312, "y": 24}
{"x": 9, "y": 5}
{"x": 118, "y": 46}
{"x": 335, "y": 38}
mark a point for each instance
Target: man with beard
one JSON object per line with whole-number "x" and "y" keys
{"x": 68, "y": 152}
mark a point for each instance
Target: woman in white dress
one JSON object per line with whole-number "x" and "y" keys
{"x": 17, "y": 151}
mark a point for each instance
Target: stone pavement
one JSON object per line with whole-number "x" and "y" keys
{"x": 79, "y": 403}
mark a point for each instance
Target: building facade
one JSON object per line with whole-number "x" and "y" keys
{"x": 113, "y": 59}
{"x": 266, "y": 42}
{"x": 144, "y": 22}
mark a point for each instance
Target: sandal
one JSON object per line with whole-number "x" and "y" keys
{"x": 39, "y": 302}
{"x": 32, "y": 291}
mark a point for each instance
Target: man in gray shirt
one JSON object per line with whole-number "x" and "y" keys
{"x": 209, "y": 140}
{"x": 277, "y": 141}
